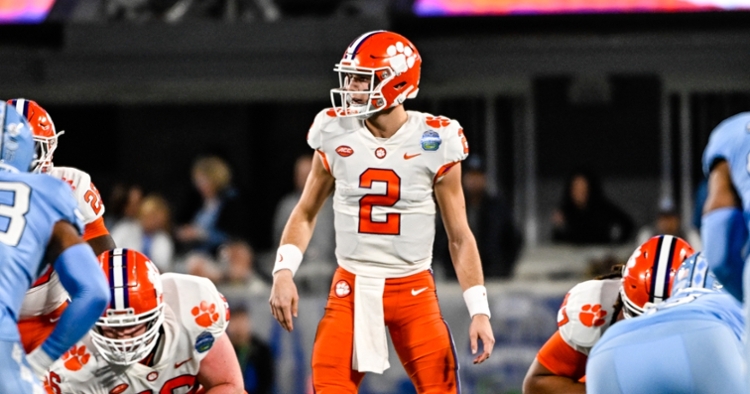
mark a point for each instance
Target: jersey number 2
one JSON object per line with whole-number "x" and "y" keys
{"x": 12, "y": 214}
{"x": 392, "y": 223}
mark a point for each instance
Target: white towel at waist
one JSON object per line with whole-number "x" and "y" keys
{"x": 370, "y": 343}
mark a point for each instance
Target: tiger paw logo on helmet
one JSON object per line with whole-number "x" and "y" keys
{"x": 401, "y": 57}
{"x": 205, "y": 314}
{"x": 75, "y": 358}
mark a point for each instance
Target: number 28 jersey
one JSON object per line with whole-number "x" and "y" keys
{"x": 383, "y": 206}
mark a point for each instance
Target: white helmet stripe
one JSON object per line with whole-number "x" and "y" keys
{"x": 352, "y": 50}
{"x": 21, "y": 106}
{"x": 117, "y": 279}
{"x": 663, "y": 267}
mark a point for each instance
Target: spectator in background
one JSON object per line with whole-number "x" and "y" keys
{"x": 668, "y": 222}
{"x": 255, "y": 356}
{"x": 234, "y": 267}
{"x": 491, "y": 221}
{"x": 149, "y": 233}
{"x": 123, "y": 203}
{"x": 219, "y": 214}
{"x": 320, "y": 259}
{"x": 587, "y": 216}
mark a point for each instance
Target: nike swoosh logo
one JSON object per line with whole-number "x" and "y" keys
{"x": 281, "y": 257}
{"x": 408, "y": 156}
{"x": 177, "y": 365}
{"x": 54, "y": 319}
{"x": 416, "y": 292}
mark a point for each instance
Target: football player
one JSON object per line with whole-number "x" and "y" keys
{"x": 383, "y": 164}
{"x": 46, "y": 300}
{"x": 723, "y": 228}
{"x": 159, "y": 334}
{"x": 691, "y": 343}
{"x": 591, "y": 307}
{"x": 41, "y": 227}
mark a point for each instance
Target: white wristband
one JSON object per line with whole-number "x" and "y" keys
{"x": 39, "y": 361}
{"x": 476, "y": 300}
{"x": 288, "y": 257}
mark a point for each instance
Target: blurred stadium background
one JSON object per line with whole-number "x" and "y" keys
{"x": 630, "y": 88}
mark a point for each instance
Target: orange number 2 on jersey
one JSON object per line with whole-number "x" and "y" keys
{"x": 92, "y": 197}
{"x": 392, "y": 223}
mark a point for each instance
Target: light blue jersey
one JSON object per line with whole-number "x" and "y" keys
{"x": 30, "y": 205}
{"x": 689, "y": 344}
{"x": 730, "y": 141}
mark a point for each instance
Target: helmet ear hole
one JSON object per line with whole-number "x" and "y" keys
{"x": 400, "y": 86}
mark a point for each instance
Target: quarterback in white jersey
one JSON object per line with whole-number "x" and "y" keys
{"x": 384, "y": 164}
{"x": 591, "y": 307}
{"x": 46, "y": 299}
{"x": 160, "y": 334}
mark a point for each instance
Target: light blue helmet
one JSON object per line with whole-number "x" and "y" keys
{"x": 16, "y": 141}
{"x": 694, "y": 272}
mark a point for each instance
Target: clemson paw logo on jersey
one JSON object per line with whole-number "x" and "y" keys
{"x": 75, "y": 358}
{"x": 401, "y": 57}
{"x": 342, "y": 289}
{"x": 592, "y": 316}
{"x": 205, "y": 314}
{"x": 437, "y": 121}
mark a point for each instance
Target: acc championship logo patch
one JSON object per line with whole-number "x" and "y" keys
{"x": 430, "y": 140}
{"x": 344, "y": 151}
{"x": 204, "y": 342}
{"x": 120, "y": 388}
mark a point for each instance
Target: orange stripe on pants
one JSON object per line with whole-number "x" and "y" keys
{"x": 35, "y": 330}
{"x": 419, "y": 333}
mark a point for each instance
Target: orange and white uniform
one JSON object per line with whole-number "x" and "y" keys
{"x": 582, "y": 319}
{"x": 195, "y": 316}
{"x": 46, "y": 299}
{"x": 385, "y": 227}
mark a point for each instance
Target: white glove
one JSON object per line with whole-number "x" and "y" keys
{"x": 40, "y": 362}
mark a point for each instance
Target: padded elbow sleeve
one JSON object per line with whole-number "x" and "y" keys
{"x": 724, "y": 235}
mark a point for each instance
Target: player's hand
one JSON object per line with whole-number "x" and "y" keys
{"x": 284, "y": 299}
{"x": 480, "y": 329}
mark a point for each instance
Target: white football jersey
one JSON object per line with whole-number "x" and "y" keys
{"x": 587, "y": 312}
{"x": 383, "y": 203}
{"x": 47, "y": 293}
{"x": 89, "y": 201}
{"x": 195, "y": 316}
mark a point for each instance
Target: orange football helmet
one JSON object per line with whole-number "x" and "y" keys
{"x": 648, "y": 275}
{"x": 136, "y": 299}
{"x": 43, "y": 129}
{"x": 390, "y": 61}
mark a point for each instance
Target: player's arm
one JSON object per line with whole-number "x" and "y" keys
{"x": 465, "y": 256}
{"x": 220, "y": 371}
{"x": 83, "y": 279}
{"x": 98, "y": 237}
{"x": 294, "y": 240}
{"x": 723, "y": 230}
{"x": 568, "y": 365}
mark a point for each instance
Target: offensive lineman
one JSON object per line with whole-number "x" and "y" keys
{"x": 384, "y": 163}
{"x": 159, "y": 334}
{"x": 46, "y": 299}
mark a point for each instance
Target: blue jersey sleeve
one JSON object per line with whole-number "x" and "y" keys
{"x": 726, "y": 141}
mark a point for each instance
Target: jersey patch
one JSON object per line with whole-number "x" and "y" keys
{"x": 205, "y": 314}
{"x": 430, "y": 140}
{"x": 204, "y": 342}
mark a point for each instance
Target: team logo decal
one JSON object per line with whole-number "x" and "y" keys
{"x": 204, "y": 342}
{"x": 430, "y": 140}
{"x": 344, "y": 151}
{"x": 76, "y": 358}
{"x": 120, "y": 388}
{"x": 380, "y": 153}
{"x": 401, "y": 57}
{"x": 437, "y": 121}
{"x": 205, "y": 314}
{"x": 592, "y": 315}
{"x": 342, "y": 289}
{"x": 152, "y": 376}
